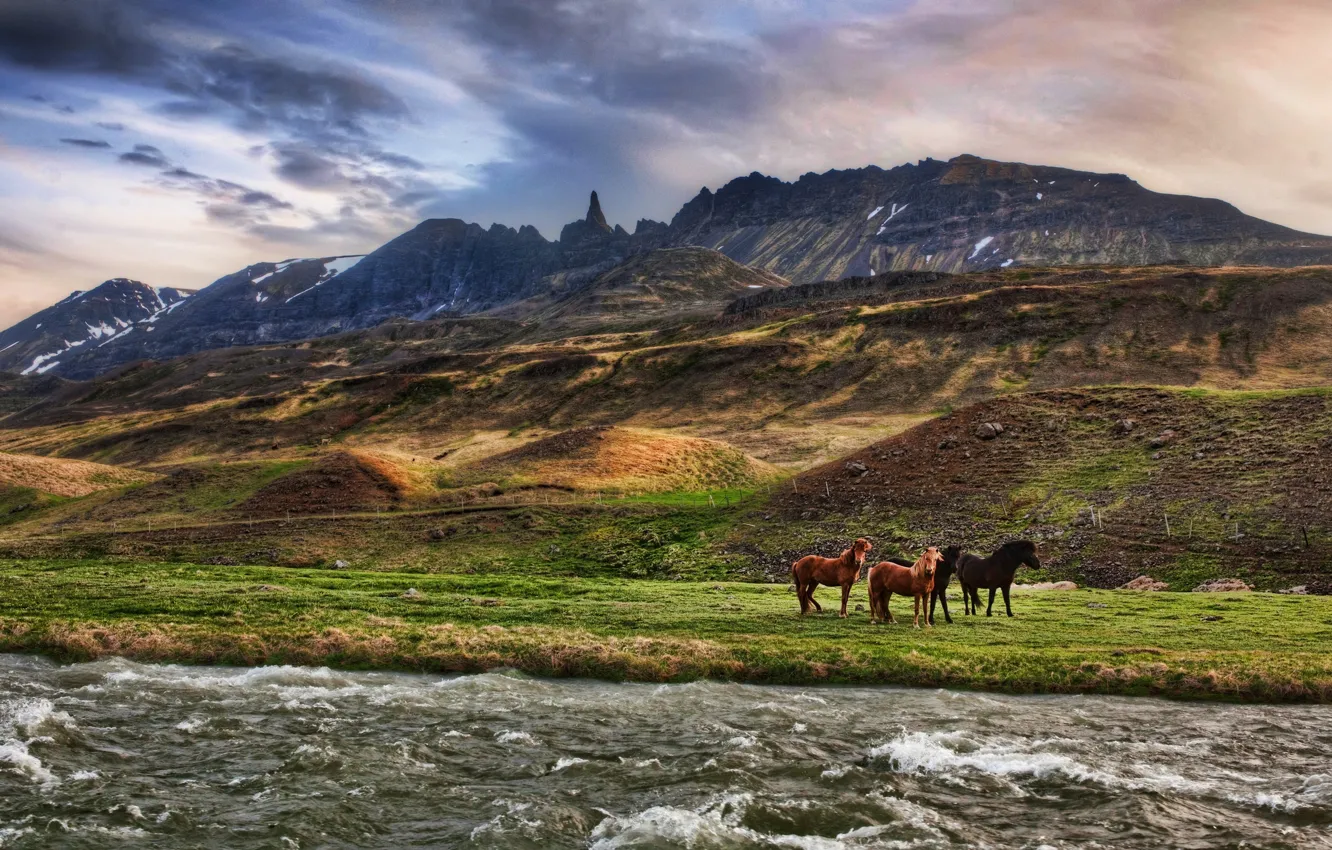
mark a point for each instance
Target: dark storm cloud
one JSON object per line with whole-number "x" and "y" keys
{"x": 625, "y": 53}
{"x": 76, "y": 35}
{"x": 86, "y": 143}
{"x": 308, "y": 168}
{"x": 203, "y": 76}
{"x": 113, "y": 126}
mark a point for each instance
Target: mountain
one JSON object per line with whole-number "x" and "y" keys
{"x": 941, "y": 217}
{"x": 440, "y": 267}
{"x": 84, "y": 321}
{"x": 265, "y": 302}
{"x": 971, "y": 213}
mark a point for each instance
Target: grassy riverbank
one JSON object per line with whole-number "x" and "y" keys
{"x": 1256, "y": 647}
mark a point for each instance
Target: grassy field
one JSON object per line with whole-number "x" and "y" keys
{"x": 1256, "y": 647}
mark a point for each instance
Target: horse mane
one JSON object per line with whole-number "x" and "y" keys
{"x": 1015, "y": 546}
{"x": 918, "y": 569}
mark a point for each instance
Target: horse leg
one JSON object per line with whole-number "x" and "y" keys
{"x": 887, "y": 609}
{"x": 915, "y": 607}
{"x": 809, "y": 594}
{"x": 800, "y": 594}
{"x": 990, "y": 607}
{"x": 1007, "y": 607}
{"x": 846, "y": 594}
{"x": 942, "y": 597}
{"x": 967, "y": 591}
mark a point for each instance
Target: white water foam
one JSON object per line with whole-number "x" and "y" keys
{"x": 21, "y": 724}
{"x": 951, "y": 753}
{"x": 716, "y": 824}
{"x": 508, "y": 737}
{"x": 566, "y": 762}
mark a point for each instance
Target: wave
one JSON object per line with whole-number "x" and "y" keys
{"x": 957, "y": 752}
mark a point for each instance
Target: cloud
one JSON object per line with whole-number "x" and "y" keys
{"x": 113, "y": 126}
{"x": 87, "y": 143}
{"x": 145, "y": 155}
{"x": 75, "y": 35}
{"x": 203, "y": 76}
{"x": 224, "y": 201}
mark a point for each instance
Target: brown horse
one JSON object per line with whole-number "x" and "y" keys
{"x": 887, "y": 578}
{"x": 811, "y": 571}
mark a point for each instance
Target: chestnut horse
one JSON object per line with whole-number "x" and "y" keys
{"x": 811, "y": 571}
{"x": 887, "y": 578}
{"x": 994, "y": 572}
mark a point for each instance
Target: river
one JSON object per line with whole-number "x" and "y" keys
{"x": 119, "y": 754}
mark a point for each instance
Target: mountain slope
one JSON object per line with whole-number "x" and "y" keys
{"x": 83, "y": 321}
{"x": 654, "y": 285}
{"x": 785, "y": 382}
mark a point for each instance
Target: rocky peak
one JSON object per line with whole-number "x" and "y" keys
{"x": 595, "y": 217}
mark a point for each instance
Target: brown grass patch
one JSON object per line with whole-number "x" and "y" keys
{"x": 621, "y": 459}
{"x": 62, "y": 477}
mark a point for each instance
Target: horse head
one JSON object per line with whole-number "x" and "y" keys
{"x": 1023, "y": 552}
{"x": 927, "y": 563}
{"x": 859, "y": 548}
{"x": 948, "y": 559}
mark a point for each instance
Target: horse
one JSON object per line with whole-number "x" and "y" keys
{"x": 994, "y": 572}
{"x": 889, "y": 577}
{"x": 942, "y": 575}
{"x": 811, "y": 571}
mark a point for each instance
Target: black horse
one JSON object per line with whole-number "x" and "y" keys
{"x": 943, "y": 573}
{"x": 995, "y": 572}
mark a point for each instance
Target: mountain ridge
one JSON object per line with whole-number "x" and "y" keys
{"x": 965, "y": 214}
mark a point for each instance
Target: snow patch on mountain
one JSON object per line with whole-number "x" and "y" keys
{"x": 980, "y": 246}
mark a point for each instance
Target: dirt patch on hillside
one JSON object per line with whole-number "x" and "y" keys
{"x": 338, "y": 483}
{"x": 62, "y": 477}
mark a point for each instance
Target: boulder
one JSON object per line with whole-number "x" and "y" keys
{"x": 1124, "y": 426}
{"x": 1297, "y": 590}
{"x": 1223, "y": 585}
{"x": 340, "y": 564}
{"x": 1144, "y": 583}
{"x": 989, "y": 430}
{"x": 1048, "y": 585}
{"x": 947, "y": 443}
{"x": 1162, "y": 439}
{"x": 412, "y": 593}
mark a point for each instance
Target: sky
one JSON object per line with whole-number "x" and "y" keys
{"x": 176, "y": 141}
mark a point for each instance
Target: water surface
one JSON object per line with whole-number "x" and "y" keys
{"x": 118, "y": 754}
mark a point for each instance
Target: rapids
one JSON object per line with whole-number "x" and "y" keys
{"x": 119, "y": 754}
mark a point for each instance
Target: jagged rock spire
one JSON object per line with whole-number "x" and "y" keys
{"x": 595, "y": 216}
